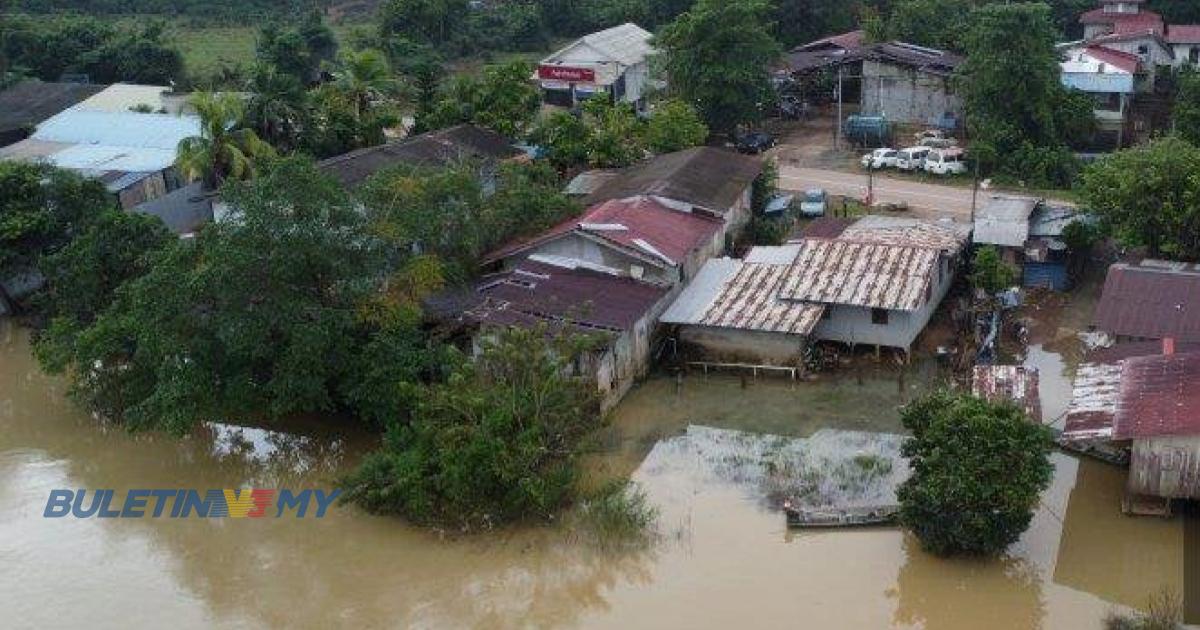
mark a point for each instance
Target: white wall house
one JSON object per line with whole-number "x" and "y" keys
{"x": 613, "y": 63}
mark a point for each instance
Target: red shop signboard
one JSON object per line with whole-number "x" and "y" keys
{"x": 566, "y": 73}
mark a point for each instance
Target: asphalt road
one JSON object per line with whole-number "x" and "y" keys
{"x": 928, "y": 200}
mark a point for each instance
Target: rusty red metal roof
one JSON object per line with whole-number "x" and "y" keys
{"x": 826, "y": 227}
{"x": 1153, "y": 300}
{"x": 749, "y": 300}
{"x": 1009, "y": 383}
{"x": 1092, "y": 411}
{"x": 639, "y": 224}
{"x": 537, "y": 291}
{"x": 1132, "y": 349}
{"x": 1116, "y": 58}
{"x": 1159, "y": 396}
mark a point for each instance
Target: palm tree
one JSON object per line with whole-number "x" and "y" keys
{"x": 222, "y": 150}
{"x": 363, "y": 75}
{"x": 276, "y": 109}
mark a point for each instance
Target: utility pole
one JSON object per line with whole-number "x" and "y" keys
{"x": 838, "y": 141}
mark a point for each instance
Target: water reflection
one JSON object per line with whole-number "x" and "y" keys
{"x": 727, "y": 559}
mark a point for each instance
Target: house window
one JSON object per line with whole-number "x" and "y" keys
{"x": 879, "y": 316}
{"x": 827, "y": 313}
{"x": 1194, "y": 55}
{"x": 1143, "y": 50}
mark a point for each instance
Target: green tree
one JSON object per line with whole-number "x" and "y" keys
{"x": 1013, "y": 95}
{"x": 989, "y": 272}
{"x": 1149, "y": 196}
{"x": 422, "y": 20}
{"x": 565, "y": 137}
{"x": 503, "y": 100}
{"x": 1187, "y": 107}
{"x": 935, "y": 23}
{"x": 42, "y": 208}
{"x": 277, "y": 107}
{"x": 337, "y": 125}
{"x": 616, "y": 134}
{"x": 497, "y": 442}
{"x": 675, "y": 126}
{"x": 978, "y": 469}
{"x": 364, "y": 76}
{"x": 258, "y": 315}
{"x": 718, "y": 55}
{"x": 83, "y": 277}
{"x": 223, "y": 150}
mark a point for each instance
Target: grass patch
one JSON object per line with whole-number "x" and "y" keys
{"x": 618, "y": 516}
{"x": 1165, "y": 612}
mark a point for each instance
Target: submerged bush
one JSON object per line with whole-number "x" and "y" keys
{"x": 1163, "y": 613}
{"x": 618, "y": 515}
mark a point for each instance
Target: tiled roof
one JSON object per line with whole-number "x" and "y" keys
{"x": 1151, "y": 300}
{"x": 640, "y": 224}
{"x": 872, "y": 275}
{"x": 539, "y": 292}
{"x": 711, "y": 178}
{"x": 1183, "y": 33}
{"x": 1142, "y": 20}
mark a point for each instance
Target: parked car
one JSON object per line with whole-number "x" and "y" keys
{"x": 753, "y": 142}
{"x": 946, "y": 162}
{"x": 815, "y": 203}
{"x": 779, "y": 205}
{"x": 880, "y": 158}
{"x": 912, "y": 158}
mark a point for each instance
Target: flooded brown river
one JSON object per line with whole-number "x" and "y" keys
{"x": 725, "y": 560}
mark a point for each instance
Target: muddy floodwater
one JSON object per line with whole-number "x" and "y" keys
{"x": 725, "y": 558}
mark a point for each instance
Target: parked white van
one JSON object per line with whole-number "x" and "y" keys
{"x": 912, "y": 158}
{"x": 946, "y": 162}
{"x": 880, "y": 158}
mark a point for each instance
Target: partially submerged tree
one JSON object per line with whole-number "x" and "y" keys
{"x": 978, "y": 469}
{"x": 989, "y": 272}
{"x": 718, "y": 56}
{"x": 1149, "y": 196}
{"x": 497, "y": 443}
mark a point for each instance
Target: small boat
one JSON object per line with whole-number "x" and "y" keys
{"x": 843, "y": 517}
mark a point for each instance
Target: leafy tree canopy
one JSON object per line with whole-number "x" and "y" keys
{"x": 1187, "y": 107}
{"x": 989, "y": 272}
{"x": 503, "y": 100}
{"x": 978, "y": 469}
{"x": 42, "y": 208}
{"x": 497, "y": 442}
{"x": 717, "y": 56}
{"x": 1149, "y": 196}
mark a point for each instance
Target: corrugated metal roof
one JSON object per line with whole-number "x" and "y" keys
{"x": 30, "y": 102}
{"x": 750, "y": 301}
{"x": 861, "y": 274}
{"x": 712, "y": 178}
{"x": 780, "y": 255}
{"x": 120, "y": 97}
{"x": 119, "y": 129}
{"x": 184, "y": 210}
{"x": 589, "y": 182}
{"x": 825, "y": 227}
{"x": 1050, "y": 220}
{"x": 1009, "y": 383}
{"x": 1153, "y": 300}
{"x": 699, "y": 294}
{"x": 627, "y": 44}
{"x": 946, "y": 236}
{"x": 536, "y": 291}
{"x": 1093, "y": 407}
{"x": 1004, "y": 221}
{"x": 113, "y": 158}
{"x": 30, "y": 150}
{"x": 1159, "y": 395}
{"x": 639, "y": 224}
{"x": 435, "y": 148}
{"x": 1122, "y": 351}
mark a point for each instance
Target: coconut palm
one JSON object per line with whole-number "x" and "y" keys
{"x": 277, "y": 107}
{"x": 363, "y": 75}
{"x": 223, "y": 150}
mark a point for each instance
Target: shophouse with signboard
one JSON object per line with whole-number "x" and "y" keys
{"x": 613, "y": 63}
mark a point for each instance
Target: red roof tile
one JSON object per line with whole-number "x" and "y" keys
{"x": 1151, "y": 300}
{"x": 1124, "y": 22}
{"x": 1159, "y": 396}
{"x": 541, "y": 292}
{"x": 645, "y": 221}
{"x": 847, "y": 41}
{"x": 1183, "y": 33}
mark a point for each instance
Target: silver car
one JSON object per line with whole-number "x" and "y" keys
{"x": 815, "y": 203}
